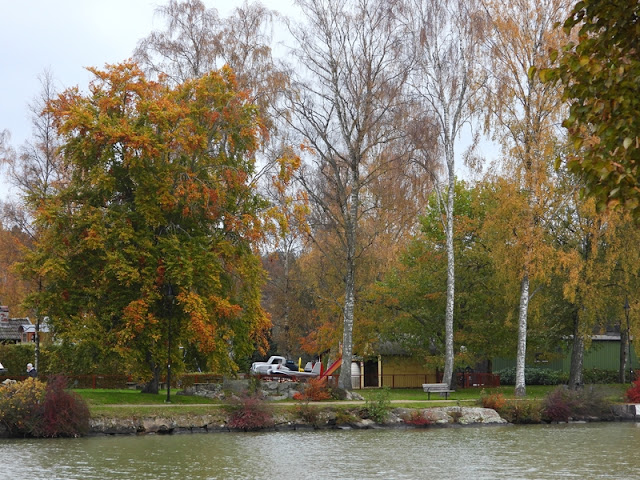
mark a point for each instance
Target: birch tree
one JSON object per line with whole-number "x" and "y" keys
{"x": 524, "y": 113}
{"x": 347, "y": 103}
{"x": 37, "y": 172}
{"x": 446, "y": 36}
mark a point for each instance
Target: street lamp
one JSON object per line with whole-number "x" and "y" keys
{"x": 627, "y": 307}
{"x": 170, "y": 309}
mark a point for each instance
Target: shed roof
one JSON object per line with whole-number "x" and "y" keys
{"x": 10, "y": 328}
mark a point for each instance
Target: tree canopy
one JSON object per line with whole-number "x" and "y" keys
{"x": 153, "y": 236}
{"x": 600, "y": 73}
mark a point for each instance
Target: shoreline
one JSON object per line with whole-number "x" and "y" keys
{"x": 323, "y": 417}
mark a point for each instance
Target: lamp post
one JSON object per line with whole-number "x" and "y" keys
{"x": 170, "y": 309}
{"x": 627, "y": 347}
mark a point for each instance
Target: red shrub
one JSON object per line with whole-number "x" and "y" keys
{"x": 249, "y": 413}
{"x": 559, "y": 405}
{"x": 633, "y": 394}
{"x": 63, "y": 413}
{"x": 417, "y": 419}
{"x": 316, "y": 390}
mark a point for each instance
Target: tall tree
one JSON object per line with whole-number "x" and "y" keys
{"x": 347, "y": 103}
{"x": 524, "y": 113}
{"x": 151, "y": 241}
{"x": 447, "y": 36}
{"x": 622, "y": 297}
{"x": 415, "y": 291}
{"x": 37, "y": 172}
{"x": 196, "y": 40}
{"x": 586, "y": 265}
{"x": 599, "y": 74}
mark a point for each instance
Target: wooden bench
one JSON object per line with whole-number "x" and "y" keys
{"x": 437, "y": 388}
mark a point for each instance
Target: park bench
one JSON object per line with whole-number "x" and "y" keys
{"x": 441, "y": 388}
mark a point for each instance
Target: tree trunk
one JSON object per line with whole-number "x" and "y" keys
{"x": 622, "y": 374}
{"x": 153, "y": 385}
{"x": 37, "y": 340}
{"x": 344, "y": 381}
{"x": 521, "y": 388}
{"x": 577, "y": 356}
{"x": 448, "y": 377}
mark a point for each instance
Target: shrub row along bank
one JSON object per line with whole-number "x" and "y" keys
{"x": 32, "y": 408}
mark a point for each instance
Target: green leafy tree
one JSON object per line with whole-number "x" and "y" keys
{"x": 599, "y": 72}
{"x": 150, "y": 244}
{"x": 415, "y": 292}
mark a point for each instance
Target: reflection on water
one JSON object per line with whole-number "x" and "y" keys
{"x": 608, "y": 450}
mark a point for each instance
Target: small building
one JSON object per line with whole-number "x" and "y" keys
{"x": 603, "y": 354}
{"x": 20, "y": 330}
{"x": 11, "y": 328}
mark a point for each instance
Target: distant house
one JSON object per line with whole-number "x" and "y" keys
{"x": 603, "y": 353}
{"x": 18, "y": 330}
{"x": 391, "y": 367}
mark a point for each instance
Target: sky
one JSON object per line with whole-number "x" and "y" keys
{"x": 66, "y": 36}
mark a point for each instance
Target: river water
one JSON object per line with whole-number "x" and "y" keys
{"x": 576, "y": 451}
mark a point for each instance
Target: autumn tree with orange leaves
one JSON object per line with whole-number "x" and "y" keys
{"x": 151, "y": 244}
{"x": 524, "y": 114}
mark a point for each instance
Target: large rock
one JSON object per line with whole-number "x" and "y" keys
{"x": 454, "y": 415}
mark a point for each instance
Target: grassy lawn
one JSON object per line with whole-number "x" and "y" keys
{"x": 128, "y": 403}
{"x": 614, "y": 391}
{"x": 106, "y": 397}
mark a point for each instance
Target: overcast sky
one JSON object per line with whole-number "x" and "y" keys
{"x": 66, "y": 36}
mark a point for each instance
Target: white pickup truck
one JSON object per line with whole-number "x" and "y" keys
{"x": 267, "y": 368}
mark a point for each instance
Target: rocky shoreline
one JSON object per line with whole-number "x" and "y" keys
{"x": 326, "y": 418}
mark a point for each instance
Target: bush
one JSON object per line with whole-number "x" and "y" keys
{"x": 19, "y": 406}
{"x": 599, "y": 375}
{"x": 417, "y": 419}
{"x": 562, "y": 404}
{"x": 496, "y": 401}
{"x": 633, "y": 394}
{"x": 62, "y": 413}
{"x": 315, "y": 390}
{"x": 533, "y": 376}
{"x": 15, "y": 358}
{"x": 379, "y": 406}
{"x": 345, "y": 417}
{"x": 249, "y": 413}
{"x": 308, "y": 414}
{"x": 559, "y": 405}
{"x": 522, "y": 411}
{"x": 31, "y": 408}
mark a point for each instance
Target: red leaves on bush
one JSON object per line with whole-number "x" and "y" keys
{"x": 249, "y": 413}
{"x": 63, "y": 413}
{"x": 633, "y": 394}
{"x": 417, "y": 419}
{"x": 558, "y": 405}
{"x": 31, "y": 408}
{"x": 316, "y": 390}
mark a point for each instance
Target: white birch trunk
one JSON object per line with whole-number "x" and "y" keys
{"x": 521, "y": 388}
{"x": 344, "y": 380}
{"x": 448, "y": 325}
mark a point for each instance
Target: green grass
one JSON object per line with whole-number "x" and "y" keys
{"x": 472, "y": 394}
{"x": 132, "y": 403}
{"x": 107, "y": 397}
